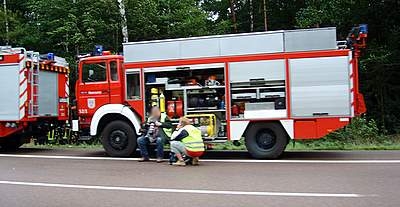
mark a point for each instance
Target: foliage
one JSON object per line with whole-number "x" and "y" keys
{"x": 149, "y": 19}
{"x": 360, "y": 131}
{"x": 325, "y": 13}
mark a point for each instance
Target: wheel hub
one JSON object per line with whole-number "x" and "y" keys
{"x": 265, "y": 139}
{"x": 118, "y": 139}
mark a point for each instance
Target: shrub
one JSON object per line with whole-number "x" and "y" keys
{"x": 359, "y": 131}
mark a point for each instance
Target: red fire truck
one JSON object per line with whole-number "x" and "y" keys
{"x": 266, "y": 87}
{"x": 35, "y": 95}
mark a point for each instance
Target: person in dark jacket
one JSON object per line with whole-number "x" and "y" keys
{"x": 157, "y": 129}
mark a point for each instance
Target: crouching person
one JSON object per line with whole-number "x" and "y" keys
{"x": 187, "y": 141}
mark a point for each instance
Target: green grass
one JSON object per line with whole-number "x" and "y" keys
{"x": 60, "y": 146}
{"x": 299, "y": 146}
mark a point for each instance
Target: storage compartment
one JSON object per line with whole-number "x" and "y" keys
{"x": 10, "y": 90}
{"x": 310, "y": 39}
{"x": 48, "y": 93}
{"x": 320, "y": 87}
{"x": 262, "y": 101}
{"x": 266, "y": 70}
{"x": 258, "y": 94}
{"x": 305, "y": 129}
{"x": 193, "y": 91}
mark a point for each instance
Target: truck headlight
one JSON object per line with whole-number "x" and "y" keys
{"x": 11, "y": 125}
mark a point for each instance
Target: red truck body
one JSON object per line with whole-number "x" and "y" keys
{"x": 282, "y": 89}
{"x": 267, "y": 88}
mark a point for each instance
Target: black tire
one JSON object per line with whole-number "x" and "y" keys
{"x": 11, "y": 144}
{"x": 266, "y": 140}
{"x": 119, "y": 139}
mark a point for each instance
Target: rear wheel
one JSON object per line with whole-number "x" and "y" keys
{"x": 119, "y": 139}
{"x": 266, "y": 140}
{"x": 11, "y": 144}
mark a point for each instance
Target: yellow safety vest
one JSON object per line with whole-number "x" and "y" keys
{"x": 194, "y": 141}
{"x": 167, "y": 131}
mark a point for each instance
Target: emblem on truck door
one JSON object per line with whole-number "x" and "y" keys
{"x": 91, "y": 102}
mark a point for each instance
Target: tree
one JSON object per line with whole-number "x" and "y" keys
{"x": 219, "y": 16}
{"x": 380, "y": 66}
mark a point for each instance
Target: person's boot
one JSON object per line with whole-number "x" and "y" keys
{"x": 179, "y": 163}
{"x": 195, "y": 161}
{"x": 144, "y": 159}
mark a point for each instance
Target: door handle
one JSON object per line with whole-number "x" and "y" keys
{"x": 99, "y": 92}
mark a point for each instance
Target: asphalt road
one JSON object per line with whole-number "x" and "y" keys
{"x": 73, "y": 177}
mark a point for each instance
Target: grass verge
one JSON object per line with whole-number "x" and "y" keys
{"x": 62, "y": 146}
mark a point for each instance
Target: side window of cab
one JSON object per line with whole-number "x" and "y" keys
{"x": 94, "y": 72}
{"x": 114, "y": 70}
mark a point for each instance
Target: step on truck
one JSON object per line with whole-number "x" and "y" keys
{"x": 34, "y": 91}
{"x": 267, "y": 88}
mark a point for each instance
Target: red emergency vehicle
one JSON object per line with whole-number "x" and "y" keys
{"x": 34, "y": 95}
{"x": 266, "y": 87}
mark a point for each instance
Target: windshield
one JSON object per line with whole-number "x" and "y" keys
{"x": 93, "y": 72}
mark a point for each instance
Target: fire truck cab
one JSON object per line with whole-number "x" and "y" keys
{"x": 266, "y": 87}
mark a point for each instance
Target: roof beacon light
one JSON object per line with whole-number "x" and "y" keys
{"x": 363, "y": 28}
{"x": 98, "y": 50}
{"x": 50, "y": 56}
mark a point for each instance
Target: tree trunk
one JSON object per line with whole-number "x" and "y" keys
{"x": 265, "y": 15}
{"x": 251, "y": 16}
{"x": 233, "y": 13}
{"x": 123, "y": 21}
{"x": 6, "y": 21}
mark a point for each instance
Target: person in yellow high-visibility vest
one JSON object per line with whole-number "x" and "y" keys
{"x": 187, "y": 140}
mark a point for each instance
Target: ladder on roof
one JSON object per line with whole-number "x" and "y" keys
{"x": 34, "y": 84}
{"x": 10, "y": 50}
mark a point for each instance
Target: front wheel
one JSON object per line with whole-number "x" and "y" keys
{"x": 266, "y": 140}
{"x": 119, "y": 139}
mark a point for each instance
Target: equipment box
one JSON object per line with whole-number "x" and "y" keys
{"x": 206, "y": 123}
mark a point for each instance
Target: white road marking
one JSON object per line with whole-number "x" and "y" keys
{"x": 213, "y": 160}
{"x": 191, "y": 191}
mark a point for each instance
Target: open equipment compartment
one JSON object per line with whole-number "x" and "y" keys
{"x": 258, "y": 94}
{"x": 195, "y": 91}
